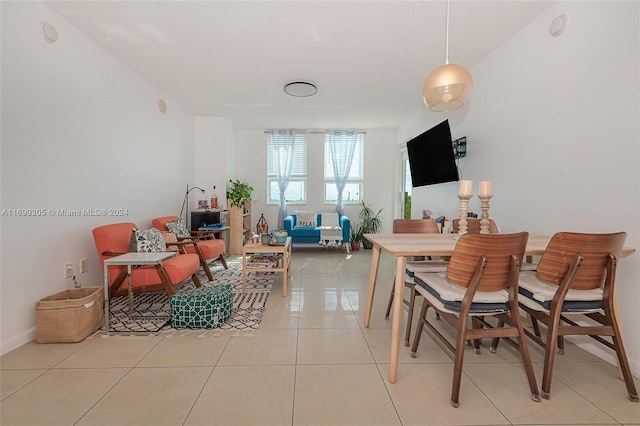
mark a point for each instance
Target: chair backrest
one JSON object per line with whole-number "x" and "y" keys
{"x": 473, "y": 226}
{"x": 497, "y": 248}
{"x": 161, "y": 222}
{"x": 415, "y": 226}
{"x": 594, "y": 249}
{"x": 113, "y": 238}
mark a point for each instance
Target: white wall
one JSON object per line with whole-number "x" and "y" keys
{"x": 379, "y": 173}
{"x": 554, "y": 123}
{"x": 79, "y": 131}
{"x": 210, "y": 155}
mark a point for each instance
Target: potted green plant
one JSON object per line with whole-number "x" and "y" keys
{"x": 371, "y": 223}
{"x": 238, "y": 193}
{"x": 356, "y": 236}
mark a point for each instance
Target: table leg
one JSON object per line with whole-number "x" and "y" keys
{"x": 396, "y": 326}
{"x": 615, "y": 308}
{"x": 375, "y": 262}
{"x": 244, "y": 272}
{"x": 129, "y": 288}
{"x": 107, "y": 323}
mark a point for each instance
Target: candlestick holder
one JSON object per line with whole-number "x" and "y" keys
{"x": 484, "y": 206}
{"x": 464, "y": 207}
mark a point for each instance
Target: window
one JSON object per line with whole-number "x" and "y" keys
{"x": 352, "y": 193}
{"x": 287, "y": 157}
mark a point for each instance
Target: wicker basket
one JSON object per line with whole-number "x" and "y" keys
{"x": 69, "y": 316}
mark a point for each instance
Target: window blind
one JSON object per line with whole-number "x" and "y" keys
{"x": 357, "y": 164}
{"x": 277, "y": 144}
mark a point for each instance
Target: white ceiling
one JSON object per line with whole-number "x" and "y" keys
{"x": 369, "y": 59}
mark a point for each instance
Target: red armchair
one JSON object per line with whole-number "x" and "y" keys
{"x": 112, "y": 240}
{"x": 206, "y": 249}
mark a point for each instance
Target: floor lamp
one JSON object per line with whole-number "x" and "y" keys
{"x": 185, "y": 202}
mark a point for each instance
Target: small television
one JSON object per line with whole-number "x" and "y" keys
{"x": 431, "y": 157}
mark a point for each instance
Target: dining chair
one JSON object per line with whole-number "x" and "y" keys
{"x": 473, "y": 227}
{"x": 480, "y": 281}
{"x": 114, "y": 239}
{"x": 414, "y": 226}
{"x": 207, "y": 248}
{"x": 575, "y": 277}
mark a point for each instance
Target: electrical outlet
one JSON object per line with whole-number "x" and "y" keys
{"x": 84, "y": 265}
{"x": 69, "y": 272}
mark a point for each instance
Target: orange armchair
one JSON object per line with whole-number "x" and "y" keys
{"x": 206, "y": 249}
{"x": 112, "y": 240}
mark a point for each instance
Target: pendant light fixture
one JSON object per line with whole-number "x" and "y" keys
{"x": 447, "y": 87}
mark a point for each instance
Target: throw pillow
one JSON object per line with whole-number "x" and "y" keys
{"x": 170, "y": 237}
{"x": 306, "y": 219}
{"x": 147, "y": 241}
{"x": 329, "y": 219}
{"x": 179, "y": 228}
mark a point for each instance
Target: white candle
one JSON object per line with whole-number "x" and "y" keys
{"x": 485, "y": 188}
{"x": 465, "y": 187}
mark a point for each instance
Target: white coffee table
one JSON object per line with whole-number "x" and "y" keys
{"x": 129, "y": 260}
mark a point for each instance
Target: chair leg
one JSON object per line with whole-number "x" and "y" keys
{"x": 412, "y": 302}
{"x": 459, "y": 356}
{"x": 623, "y": 362}
{"x": 196, "y": 280}
{"x": 549, "y": 356}
{"x": 526, "y": 357}
{"x": 386, "y": 314}
{"x": 560, "y": 342}
{"x": 476, "y": 342}
{"x": 419, "y": 327}
{"x": 203, "y": 263}
{"x": 166, "y": 281}
{"x": 224, "y": 262}
{"x": 494, "y": 343}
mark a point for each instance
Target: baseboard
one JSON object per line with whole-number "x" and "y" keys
{"x": 17, "y": 341}
{"x": 603, "y": 353}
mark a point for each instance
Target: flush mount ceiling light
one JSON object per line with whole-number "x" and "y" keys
{"x": 448, "y": 87}
{"x": 49, "y": 32}
{"x": 300, "y": 89}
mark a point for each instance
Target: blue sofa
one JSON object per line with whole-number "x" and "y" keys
{"x": 312, "y": 235}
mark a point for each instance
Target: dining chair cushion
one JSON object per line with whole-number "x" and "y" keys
{"x": 448, "y": 296}
{"x": 538, "y": 295}
{"x": 426, "y": 266}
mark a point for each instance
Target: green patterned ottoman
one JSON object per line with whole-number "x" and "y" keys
{"x": 202, "y": 307}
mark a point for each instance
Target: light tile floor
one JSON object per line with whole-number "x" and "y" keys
{"x": 311, "y": 363}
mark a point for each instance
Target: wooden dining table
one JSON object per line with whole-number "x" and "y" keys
{"x": 405, "y": 245}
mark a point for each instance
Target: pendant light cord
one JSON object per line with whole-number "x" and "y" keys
{"x": 446, "y": 55}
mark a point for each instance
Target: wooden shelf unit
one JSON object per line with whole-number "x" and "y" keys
{"x": 240, "y": 227}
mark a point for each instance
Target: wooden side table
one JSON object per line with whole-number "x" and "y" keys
{"x": 280, "y": 251}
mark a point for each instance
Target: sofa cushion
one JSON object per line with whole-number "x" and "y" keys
{"x": 306, "y": 219}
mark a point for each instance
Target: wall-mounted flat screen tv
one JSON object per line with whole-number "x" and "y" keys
{"x": 431, "y": 157}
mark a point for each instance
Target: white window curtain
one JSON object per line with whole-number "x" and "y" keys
{"x": 342, "y": 146}
{"x": 285, "y": 150}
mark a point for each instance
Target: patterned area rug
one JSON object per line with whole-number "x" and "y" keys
{"x": 152, "y": 311}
